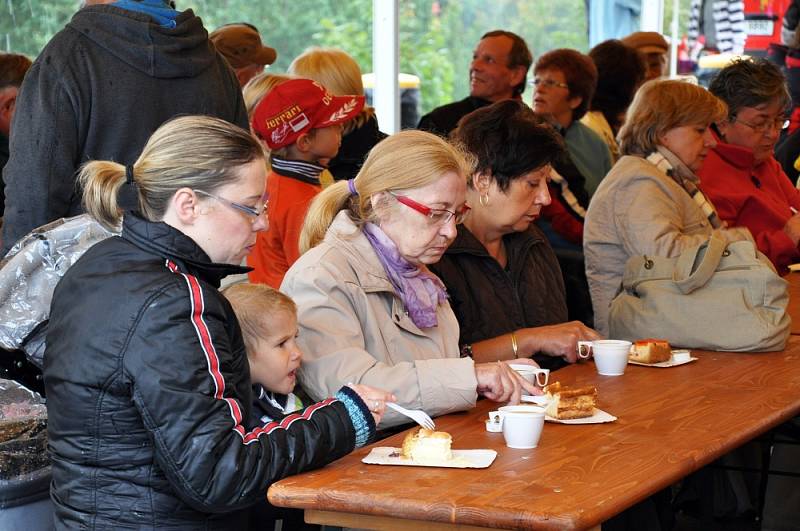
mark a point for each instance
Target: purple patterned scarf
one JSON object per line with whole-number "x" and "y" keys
{"x": 421, "y": 291}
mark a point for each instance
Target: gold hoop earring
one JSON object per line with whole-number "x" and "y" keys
{"x": 483, "y": 199}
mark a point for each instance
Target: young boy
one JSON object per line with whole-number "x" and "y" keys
{"x": 268, "y": 319}
{"x": 301, "y": 123}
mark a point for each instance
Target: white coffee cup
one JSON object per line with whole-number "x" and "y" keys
{"x": 534, "y": 375}
{"x": 610, "y": 355}
{"x": 522, "y": 425}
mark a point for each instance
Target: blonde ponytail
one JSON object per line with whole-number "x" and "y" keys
{"x": 321, "y": 212}
{"x": 101, "y": 181}
{"x": 198, "y": 152}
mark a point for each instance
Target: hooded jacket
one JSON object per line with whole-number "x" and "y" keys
{"x": 149, "y": 394}
{"x": 97, "y": 91}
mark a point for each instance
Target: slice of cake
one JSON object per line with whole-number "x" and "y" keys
{"x": 428, "y": 446}
{"x": 651, "y": 351}
{"x": 570, "y": 402}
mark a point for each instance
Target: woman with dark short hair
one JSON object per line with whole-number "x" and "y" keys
{"x": 741, "y": 176}
{"x": 502, "y": 277}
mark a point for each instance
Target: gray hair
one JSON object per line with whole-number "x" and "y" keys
{"x": 750, "y": 83}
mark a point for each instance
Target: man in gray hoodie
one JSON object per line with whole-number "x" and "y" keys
{"x": 98, "y": 90}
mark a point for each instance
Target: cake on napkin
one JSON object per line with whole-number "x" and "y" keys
{"x": 570, "y": 402}
{"x": 650, "y": 351}
{"x": 428, "y": 446}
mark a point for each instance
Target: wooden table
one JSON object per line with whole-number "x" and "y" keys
{"x": 671, "y": 422}
{"x": 794, "y": 300}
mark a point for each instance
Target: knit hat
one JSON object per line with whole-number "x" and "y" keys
{"x": 241, "y": 45}
{"x": 297, "y": 106}
{"x": 647, "y": 42}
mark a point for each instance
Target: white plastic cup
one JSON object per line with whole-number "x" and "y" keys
{"x": 610, "y": 355}
{"x": 531, "y": 374}
{"x": 522, "y": 425}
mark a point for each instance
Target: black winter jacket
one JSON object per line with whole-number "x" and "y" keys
{"x": 490, "y": 301}
{"x": 444, "y": 119}
{"x": 97, "y": 91}
{"x": 354, "y": 150}
{"x": 149, "y": 394}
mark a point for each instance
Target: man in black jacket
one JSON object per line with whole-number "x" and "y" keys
{"x": 98, "y": 90}
{"x": 497, "y": 72}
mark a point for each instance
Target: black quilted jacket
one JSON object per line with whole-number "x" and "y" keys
{"x": 148, "y": 394}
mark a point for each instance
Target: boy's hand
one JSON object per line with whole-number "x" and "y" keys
{"x": 375, "y": 399}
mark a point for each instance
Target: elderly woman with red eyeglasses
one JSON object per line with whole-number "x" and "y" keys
{"x": 369, "y": 309}
{"x": 741, "y": 176}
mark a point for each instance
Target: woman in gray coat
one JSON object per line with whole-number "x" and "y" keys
{"x": 649, "y": 203}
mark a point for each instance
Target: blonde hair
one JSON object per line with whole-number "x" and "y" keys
{"x": 408, "y": 159}
{"x": 254, "y": 305}
{"x": 198, "y": 152}
{"x": 259, "y": 86}
{"x": 337, "y": 71}
{"x": 661, "y": 105}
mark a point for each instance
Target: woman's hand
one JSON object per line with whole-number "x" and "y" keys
{"x": 375, "y": 399}
{"x": 560, "y": 340}
{"x": 792, "y": 229}
{"x": 500, "y": 383}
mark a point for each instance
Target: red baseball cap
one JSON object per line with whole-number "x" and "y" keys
{"x": 297, "y": 106}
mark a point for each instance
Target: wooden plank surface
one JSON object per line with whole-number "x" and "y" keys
{"x": 794, "y": 300}
{"x": 671, "y": 422}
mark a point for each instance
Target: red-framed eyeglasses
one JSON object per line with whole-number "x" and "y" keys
{"x": 439, "y": 216}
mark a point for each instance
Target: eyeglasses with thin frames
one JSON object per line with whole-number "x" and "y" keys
{"x": 254, "y": 213}
{"x": 549, "y": 83}
{"x": 779, "y": 123}
{"x": 438, "y": 216}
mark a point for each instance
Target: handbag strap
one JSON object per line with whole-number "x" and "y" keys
{"x": 687, "y": 278}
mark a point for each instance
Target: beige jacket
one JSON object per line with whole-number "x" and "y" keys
{"x": 353, "y": 328}
{"x": 636, "y": 210}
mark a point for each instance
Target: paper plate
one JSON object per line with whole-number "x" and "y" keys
{"x": 386, "y": 455}
{"x": 672, "y": 362}
{"x": 599, "y": 417}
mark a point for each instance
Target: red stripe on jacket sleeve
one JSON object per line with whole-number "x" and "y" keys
{"x": 212, "y": 362}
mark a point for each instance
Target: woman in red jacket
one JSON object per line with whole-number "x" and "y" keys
{"x": 741, "y": 176}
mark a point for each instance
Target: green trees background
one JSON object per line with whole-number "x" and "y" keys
{"x": 436, "y": 36}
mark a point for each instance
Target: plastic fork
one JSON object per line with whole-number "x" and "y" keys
{"x": 419, "y": 416}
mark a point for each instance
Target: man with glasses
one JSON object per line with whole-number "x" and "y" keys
{"x": 740, "y": 175}
{"x": 497, "y": 72}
